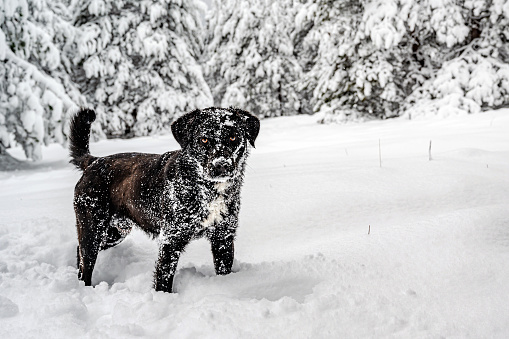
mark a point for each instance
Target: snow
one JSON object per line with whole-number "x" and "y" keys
{"x": 3, "y": 46}
{"x": 434, "y": 263}
{"x": 42, "y": 78}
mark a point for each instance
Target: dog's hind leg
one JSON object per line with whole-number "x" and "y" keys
{"x": 92, "y": 232}
{"x": 78, "y": 257}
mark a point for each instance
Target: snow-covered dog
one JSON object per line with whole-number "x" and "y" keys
{"x": 175, "y": 197}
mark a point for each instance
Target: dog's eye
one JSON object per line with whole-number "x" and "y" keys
{"x": 204, "y": 140}
{"x": 232, "y": 138}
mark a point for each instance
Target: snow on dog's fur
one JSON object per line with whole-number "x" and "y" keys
{"x": 175, "y": 197}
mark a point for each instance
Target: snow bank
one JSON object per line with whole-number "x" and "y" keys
{"x": 434, "y": 263}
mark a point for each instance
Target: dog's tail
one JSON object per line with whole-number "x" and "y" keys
{"x": 79, "y": 136}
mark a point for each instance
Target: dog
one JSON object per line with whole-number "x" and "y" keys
{"x": 175, "y": 197}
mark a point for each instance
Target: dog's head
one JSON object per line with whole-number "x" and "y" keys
{"x": 217, "y": 140}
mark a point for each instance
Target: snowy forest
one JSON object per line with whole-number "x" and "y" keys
{"x": 142, "y": 64}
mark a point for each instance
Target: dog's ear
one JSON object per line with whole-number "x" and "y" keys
{"x": 182, "y": 127}
{"x": 251, "y": 123}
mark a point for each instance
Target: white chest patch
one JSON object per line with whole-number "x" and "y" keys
{"x": 217, "y": 206}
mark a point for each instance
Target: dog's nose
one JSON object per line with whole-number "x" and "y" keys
{"x": 221, "y": 168}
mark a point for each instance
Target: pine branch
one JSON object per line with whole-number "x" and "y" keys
{"x": 42, "y": 78}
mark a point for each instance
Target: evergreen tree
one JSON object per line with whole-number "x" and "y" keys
{"x": 330, "y": 51}
{"x": 470, "y": 70}
{"x": 137, "y": 62}
{"x": 251, "y": 62}
{"x": 306, "y": 42}
{"x": 349, "y": 77}
{"x": 36, "y": 94}
{"x": 379, "y": 58}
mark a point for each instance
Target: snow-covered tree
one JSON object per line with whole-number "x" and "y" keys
{"x": 350, "y": 78}
{"x": 36, "y": 94}
{"x": 306, "y": 42}
{"x": 453, "y": 54}
{"x": 250, "y": 57}
{"x": 374, "y": 54}
{"x": 475, "y": 74}
{"x": 137, "y": 62}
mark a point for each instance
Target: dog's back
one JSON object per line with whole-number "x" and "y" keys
{"x": 125, "y": 183}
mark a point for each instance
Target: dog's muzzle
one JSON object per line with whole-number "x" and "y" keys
{"x": 222, "y": 168}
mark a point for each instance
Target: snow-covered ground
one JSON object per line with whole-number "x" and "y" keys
{"x": 434, "y": 264}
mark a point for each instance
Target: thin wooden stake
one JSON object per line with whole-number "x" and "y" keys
{"x": 380, "y": 152}
{"x": 369, "y": 229}
{"x": 430, "y": 151}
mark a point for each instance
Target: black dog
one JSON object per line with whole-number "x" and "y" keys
{"x": 175, "y": 197}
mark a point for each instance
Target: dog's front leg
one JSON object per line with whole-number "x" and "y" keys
{"x": 223, "y": 251}
{"x": 169, "y": 252}
{"x": 165, "y": 268}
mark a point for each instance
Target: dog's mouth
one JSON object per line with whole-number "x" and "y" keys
{"x": 220, "y": 179}
{"x": 220, "y": 176}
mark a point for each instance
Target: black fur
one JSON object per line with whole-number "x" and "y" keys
{"x": 175, "y": 197}
{"x": 79, "y": 138}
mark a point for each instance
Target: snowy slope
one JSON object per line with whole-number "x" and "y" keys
{"x": 433, "y": 265}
